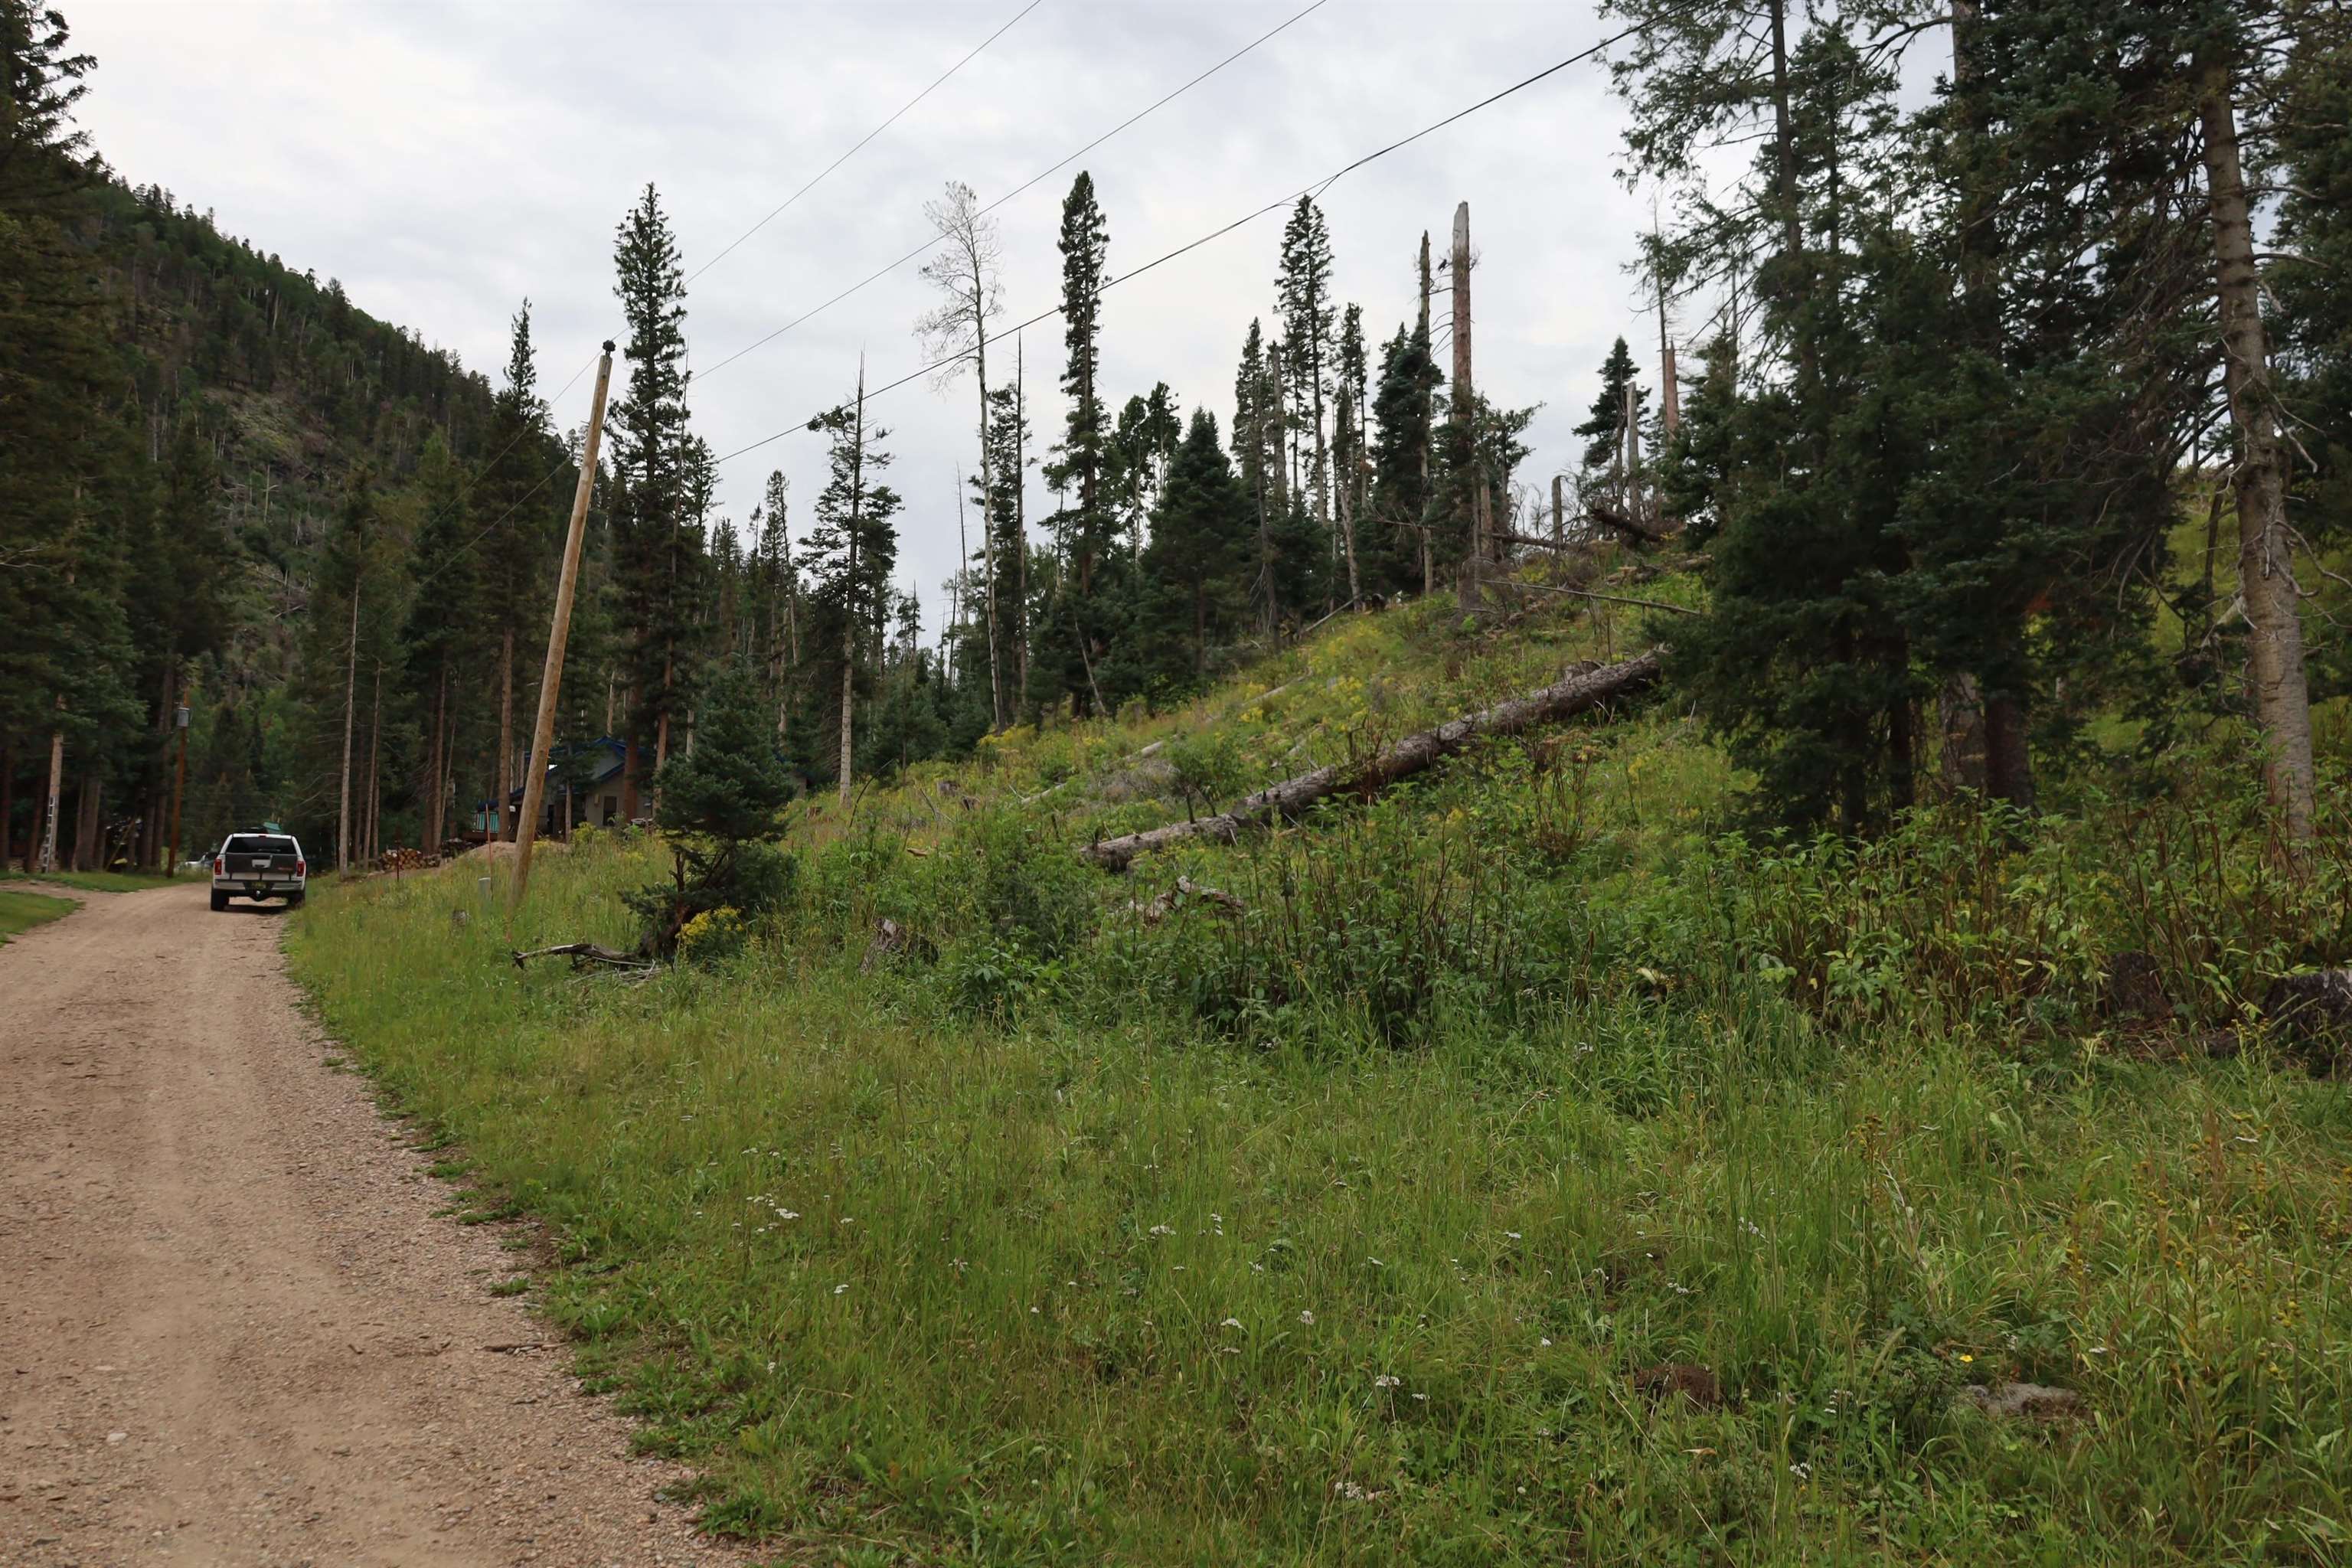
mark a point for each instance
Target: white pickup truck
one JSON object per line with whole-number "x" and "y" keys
{"x": 259, "y": 866}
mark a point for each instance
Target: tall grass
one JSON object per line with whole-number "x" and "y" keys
{"x": 1338, "y": 1230}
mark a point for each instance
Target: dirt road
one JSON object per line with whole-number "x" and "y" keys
{"x": 232, "y": 1329}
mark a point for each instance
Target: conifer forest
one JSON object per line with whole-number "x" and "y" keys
{"x": 1731, "y": 946}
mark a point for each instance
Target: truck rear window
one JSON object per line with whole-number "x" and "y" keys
{"x": 258, "y": 844}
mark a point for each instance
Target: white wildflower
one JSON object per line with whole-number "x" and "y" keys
{"x": 1385, "y": 1381}
{"x": 1306, "y": 1318}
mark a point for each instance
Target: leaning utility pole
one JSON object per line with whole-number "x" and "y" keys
{"x": 559, "y": 631}
{"x": 1474, "y": 560}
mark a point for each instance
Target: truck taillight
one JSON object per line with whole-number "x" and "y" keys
{"x": 216, "y": 865}
{"x": 301, "y": 867}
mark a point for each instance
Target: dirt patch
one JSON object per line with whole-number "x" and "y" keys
{"x": 236, "y": 1330}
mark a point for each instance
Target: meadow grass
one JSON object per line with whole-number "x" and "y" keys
{"x": 1345, "y": 1230}
{"x": 1052, "y": 1293}
{"x": 21, "y": 911}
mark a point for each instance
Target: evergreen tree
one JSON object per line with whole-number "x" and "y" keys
{"x": 1616, "y": 410}
{"x": 717, "y": 809}
{"x": 1074, "y": 635}
{"x": 1402, "y": 455}
{"x": 1199, "y": 556}
{"x": 520, "y": 545}
{"x": 657, "y": 563}
{"x": 439, "y": 635}
{"x": 852, "y": 551}
{"x": 1303, "y": 286}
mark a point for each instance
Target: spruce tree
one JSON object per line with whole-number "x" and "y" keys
{"x": 851, "y": 550}
{"x": 1081, "y": 461}
{"x": 657, "y": 556}
{"x": 1303, "y": 283}
{"x": 1199, "y": 556}
{"x": 515, "y": 558}
{"x": 1617, "y": 408}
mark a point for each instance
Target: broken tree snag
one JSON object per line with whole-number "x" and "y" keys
{"x": 1579, "y": 694}
{"x": 1185, "y": 891}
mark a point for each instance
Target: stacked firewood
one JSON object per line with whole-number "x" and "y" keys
{"x": 406, "y": 860}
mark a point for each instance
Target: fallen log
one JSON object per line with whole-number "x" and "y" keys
{"x": 1577, "y": 694}
{"x": 584, "y": 953}
{"x": 1610, "y": 598}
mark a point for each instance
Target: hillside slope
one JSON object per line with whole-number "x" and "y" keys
{"x": 1515, "y": 1167}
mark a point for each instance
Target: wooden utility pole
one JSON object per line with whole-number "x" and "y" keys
{"x": 1559, "y": 511}
{"x": 180, "y": 772}
{"x": 1474, "y": 560}
{"x": 559, "y": 631}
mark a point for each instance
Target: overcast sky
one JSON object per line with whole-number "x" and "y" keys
{"x": 444, "y": 161}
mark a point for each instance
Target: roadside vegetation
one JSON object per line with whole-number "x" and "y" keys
{"x": 1529, "y": 1168}
{"x": 92, "y": 881}
{"x": 21, "y": 911}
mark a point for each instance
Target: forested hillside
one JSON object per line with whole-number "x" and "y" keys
{"x": 187, "y": 413}
{"x": 2011, "y": 423}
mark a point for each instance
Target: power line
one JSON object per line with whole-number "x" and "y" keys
{"x": 449, "y": 557}
{"x": 861, "y": 141}
{"x": 1315, "y": 189}
{"x": 888, "y": 267}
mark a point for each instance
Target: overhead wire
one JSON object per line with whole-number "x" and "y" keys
{"x": 481, "y": 470}
{"x": 861, "y": 141}
{"x": 1314, "y": 188}
{"x": 887, "y": 267}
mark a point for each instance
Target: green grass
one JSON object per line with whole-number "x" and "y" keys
{"x": 1135, "y": 1247}
{"x": 93, "y": 881}
{"x": 22, "y": 912}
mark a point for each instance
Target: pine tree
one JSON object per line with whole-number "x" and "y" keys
{"x": 441, "y": 631}
{"x": 45, "y": 157}
{"x": 1082, "y": 459}
{"x": 1199, "y": 557}
{"x": 717, "y": 810}
{"x": 1303, "y": 286}
{"x": 852, "y": 551}
{"x": 658, "y": 553}
{"x": 1616, "y": 412}
{"x": 1403, "y": 457}
{"x": 521, "y": 544}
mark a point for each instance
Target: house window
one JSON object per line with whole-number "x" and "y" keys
{"x": 612, "y": 808}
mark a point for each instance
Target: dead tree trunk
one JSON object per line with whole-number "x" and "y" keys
{"x": 2265, "y": 552}
{"x": 506, "y": 728}
{"x": 1414, "y": 755}
{"x": 1466, "y": 422}
{"x": 350, "y": 689}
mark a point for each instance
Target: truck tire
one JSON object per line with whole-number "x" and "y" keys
{"x": 220, "y": 900}
{"x": 294, "y": 901}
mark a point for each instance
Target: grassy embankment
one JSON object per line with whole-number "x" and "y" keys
{"x": 1342, "y": 1230}
{"x": 21, "y": 911}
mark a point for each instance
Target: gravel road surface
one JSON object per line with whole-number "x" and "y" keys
{"x": 231, "y": 1329}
